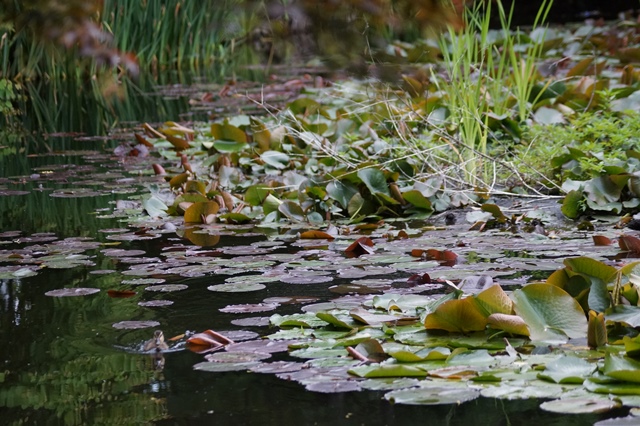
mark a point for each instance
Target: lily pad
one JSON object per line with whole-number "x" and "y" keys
{"x": 580, "y": 405}
{"x": 236, "y": 287}
{"x": 134, "y": 325}
{"x": 433, "y": 395}
{"x": 67, "y": 292}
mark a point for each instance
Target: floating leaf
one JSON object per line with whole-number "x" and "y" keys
{"x": 221, "y": 367}
{"x": 597, "y": 330}
{"x": 199, "y": 212}
{"x": 134, "y": 325}
{"x": 571, "y": 205}
{"x": 629, "y": 243}
{"x": 66, "y": 292}
{"x": 581, "y": 405}
{"x": 567, "y": 370}
{"x": 121, "y": 293}
{"x": 360, "y": 246}
{"x": 236, "y": 287}
{"x": 387, "y": 370}
{"x": 375, "y": 181}
{"x": 550, "y": 313}
{"x": 342, "y": 192}
{"x": 629, "y": 315}
{"x": 275, "y": 159}
{"x": 433, "y": 395}
{"x": 601, "y": 240}
{"x": 458, "y": 316}
{"x": 622, "y": 368}
{"x": 167, "y": 288}
{"x": 316, "y": 235}
{"x": 291, "y": 210}
{"x": 510, "y": 323}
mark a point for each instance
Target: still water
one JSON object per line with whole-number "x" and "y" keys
{"x": 63, "y": 362}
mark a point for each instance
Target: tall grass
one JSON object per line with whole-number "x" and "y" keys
{"x": 485, "y": 76}
{"x": 169, "y": 33}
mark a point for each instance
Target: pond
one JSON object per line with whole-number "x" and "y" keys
{"x": 81, "y": 360}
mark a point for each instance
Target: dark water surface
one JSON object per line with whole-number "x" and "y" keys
{"x": 62, "y": 361}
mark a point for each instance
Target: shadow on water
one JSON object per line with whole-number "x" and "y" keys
{"x": 63, "y": 362}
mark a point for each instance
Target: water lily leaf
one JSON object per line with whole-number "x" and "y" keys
{"x": 375, "y": 181}
{"x": 66, "y": 292}
{"x": 210, "y": 339}
{"x": 297, "y": 320}
{"x": 199, "y": 237}
{"x": 433, "y": 395}
{"x": 167, "y": 288}
{"x": 495, "y": 212}
{"x": 581, "y": 67}
{"x": 333, "y": 386}
{"x": 235, "y": 218}
{"x": 465, "y": 357}
{"x": 340, "y": 319}
{"x": 510, "y": 323}
{"x": 362, "y": 245}
{"x": 236, "y": 287}
{"x": 342, "y": 192}
{"x": 178, "y": 180}
{"x": 389, "y": 383}
{"x": 629, "y": 243}
{"x": 220, "y": 367}
{"x": 597, "y": 330}
{"x": 603, "y": 194}
{"x": 629, "y": 315}
{"x": 156, "y": 303}
{"x": 524, "y": 391}
{"x": 278, "y": 367}
{"x": 567, "y": 369}
{"x": 316, "y": 235}
{"x": 550, "y": 313}
{"x": 601, "y": 240}
{"x": 121, "y": 294}
{"x": 458, "y": 316}
{"x": 178, "y": 143}
{"x": 418, "y": 200}
{"x": 228, "y": 132}
{"x": 591, "y": 267}
{"x": 154, "y": 207}
{"x": 199, "y": 212}
{"x": 255, "y": 195}
{"x": 387, "y": 370}
{"x": 612, "y": 387}
{"x": 622, "y": 368}
{"x": 276, "y": 159}
{"x": 572, "y": 204}
{"x": 134, "y": 325}
{"x": 580, "y": 405}
{"x": 291, "y": 210}
{"x": 249, "y": 308}
{"x": 493, "y": 300}
{"x": 237, "y": 357}
{"x": 229, "y": 146}
{"x": 422, "y": 354}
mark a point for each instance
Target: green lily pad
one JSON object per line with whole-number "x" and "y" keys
{"x": 580, "y": 405}
{"x": 236, "y": 287}
{"x": 433, "y": 395}
{"x": 550, "y": 313}
{"x": 568, "y": 369}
